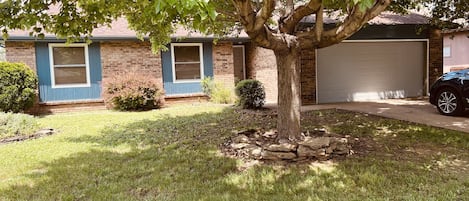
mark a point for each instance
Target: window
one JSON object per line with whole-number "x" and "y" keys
{"x": 69, "y": 65}
{"x": 2, "y": 51}
{"x": 447, "y": 51}
{"x": 187, "y": 62}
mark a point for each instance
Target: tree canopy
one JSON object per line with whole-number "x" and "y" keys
{"x": 74, "y": 19}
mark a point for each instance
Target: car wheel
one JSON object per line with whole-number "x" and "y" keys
{"x": 449, "y": 102}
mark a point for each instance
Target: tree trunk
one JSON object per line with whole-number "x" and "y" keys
{"x": 289, "y": 102}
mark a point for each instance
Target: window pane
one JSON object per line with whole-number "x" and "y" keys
{"x": 447, "y": 51}
{"x": 186, "y": 53}
{"x": 69, "y": 55}
{"x": 187, "y": 71}
{"x": 70, "y": 75}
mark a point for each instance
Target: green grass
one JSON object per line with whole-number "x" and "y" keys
{"x": 172, "y": 154}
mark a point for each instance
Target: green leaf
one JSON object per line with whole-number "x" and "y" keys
{"x": 366, "y": 4}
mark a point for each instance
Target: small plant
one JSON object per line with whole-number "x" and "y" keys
{"x": 217, "y": 92}
{"x": 207, "y": 85}
{"x": 132, "y": 91}
{"x": 251, "y": 94}
{"x": 18, "y": 84}
{"x": 12, "y": 124}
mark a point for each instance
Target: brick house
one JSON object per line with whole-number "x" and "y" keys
{"x": 74, "y": 74}
{"x": 393, "y": 57}
{"x": 456, "y": 49}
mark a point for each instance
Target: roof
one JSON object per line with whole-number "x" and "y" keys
{"x": 385, "y": 18}
{"x": 458, "y": 30}
{"x": 119, "y": 28}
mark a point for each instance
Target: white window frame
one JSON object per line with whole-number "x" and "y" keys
{"x": 448, "y": 47}
{"x": 52, "y": 66}
{"x": 3, "y": 49}
{"x": 173, "y": 61}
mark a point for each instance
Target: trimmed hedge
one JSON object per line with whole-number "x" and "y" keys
{"x": 251, "y": 94}
{"x": 18, "y": 84}
{"x": 132, "y": 91}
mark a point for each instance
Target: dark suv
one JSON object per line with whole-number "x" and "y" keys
{"x": 450, "y": 93}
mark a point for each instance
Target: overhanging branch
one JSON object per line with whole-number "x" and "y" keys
{"x": 254, "y": 22}
{"x": 354, "y": 22}
{"x": 288, "y": 24}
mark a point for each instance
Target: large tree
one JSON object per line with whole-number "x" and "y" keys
{"x": 272, "y": 24}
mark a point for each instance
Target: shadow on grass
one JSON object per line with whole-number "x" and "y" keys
{"x": 176, "y": 158}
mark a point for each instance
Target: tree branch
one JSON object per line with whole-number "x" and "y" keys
{"x": 319, "y": 27}
{"x": 264, "y": 13}
{"x": 289, "y": 8}
{"x": 254, "y": 22}
{"x": 354, "y": 22}
{"x": 288, "y": 24}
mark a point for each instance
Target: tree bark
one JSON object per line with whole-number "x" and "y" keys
{"x": 289, "y": 102}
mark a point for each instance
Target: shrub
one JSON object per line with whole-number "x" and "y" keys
{"x": 17, "y": 125}
{"x": 217, "y": 91}
{"x": 130, "y": 91}
{"x": 18, "y": 84}
{"x": 251, "y": 94}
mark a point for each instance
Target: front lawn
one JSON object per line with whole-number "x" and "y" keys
{"x": 173, "y": 154}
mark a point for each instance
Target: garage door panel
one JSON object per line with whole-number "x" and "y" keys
{"x": 369, "y": 71}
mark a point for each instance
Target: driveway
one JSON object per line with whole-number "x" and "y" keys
{"x": 417, "y": 111}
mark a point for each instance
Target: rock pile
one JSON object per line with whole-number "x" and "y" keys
{"x": 259, "y": 145}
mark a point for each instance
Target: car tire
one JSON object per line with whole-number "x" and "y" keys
{"x": 449, "y": 102}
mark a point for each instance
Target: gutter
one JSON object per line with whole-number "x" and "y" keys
{"x": 129, "y": 38}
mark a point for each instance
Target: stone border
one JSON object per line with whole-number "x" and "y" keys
{"x": 38, "y": 134}
{"x": 259, "y": 145}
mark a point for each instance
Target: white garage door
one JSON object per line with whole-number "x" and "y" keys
{"x": 363, "y": 71}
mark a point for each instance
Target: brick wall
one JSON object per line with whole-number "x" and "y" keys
{"x": 223, "y": 67}
{"x": 435, "y": 55}
{"x": 24, "y": 52}
{"x": 261, "y": 65}
{"x": 308, "y": 76}
{"x": 121, "y": 56}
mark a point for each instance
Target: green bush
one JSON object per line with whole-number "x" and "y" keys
{"x": 251, "y": 94}
{"x": 217, "y": 92}
{"x": 132, "y": 91}
{"x": 17, "y": 125}
{"x": 18, "y": 84}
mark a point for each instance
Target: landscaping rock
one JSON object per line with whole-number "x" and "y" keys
{"x": 241, "y": 139}
{"x": 270, "y": 134}
{"x": 239, "y": 145}
{"x": 45, "y": 132}
{"x": 304, "y": 151}
{"x": 255, "y": 152}
{"x": 342, "y": 149}
{"x": 329, "y": 150}
{"x": 270, "y": 155}
{"x": 260, "y": 145}
{"x": 283, "y": 147}
{"x": 316, "y": 143}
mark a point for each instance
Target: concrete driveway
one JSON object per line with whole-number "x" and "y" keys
{"x": 418, "y": 111}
